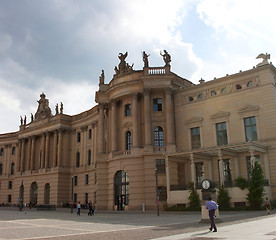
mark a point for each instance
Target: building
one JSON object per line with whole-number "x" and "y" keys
{"x": 150, "y": 129}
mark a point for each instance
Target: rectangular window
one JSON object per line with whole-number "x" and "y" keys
{"x": 86, "y": 198}
{"x": 9, "y": 198}
{"x": 250, "y": 129}
{"x": 86, "y": 179}
{"x": 89, "y": 157}
{"x": 76, "y": 180}
{"x": 10, "y": 184}
{"x": 160, "y": 166}
{"x": 127, "y": 110}
{"x": 75, "y": 198}
{"x": 78, "y": 137}
{"x": 157, "y": 104}
{"x": 195, "y": 138}
{"x": 1, "y": 168}
{"x": 13, "y": 151}
{"x": 2, "y": 152}
{"x": 221, "y": 134}
{"x": 199, "y": 172}
{"x": 90, "y": 134}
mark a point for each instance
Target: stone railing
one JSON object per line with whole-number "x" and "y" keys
{"x": 157, "y": 70}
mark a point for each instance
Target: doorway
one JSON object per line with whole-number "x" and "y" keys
{"x": 121, "y": 190}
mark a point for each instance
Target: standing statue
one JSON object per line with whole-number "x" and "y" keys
{"x": 61, "y": 107}
{"x": 166, "y": 57}
{"x": 21, "y": 120}
{"x": 145, "y": 59}
{"x": 101, "y": 78}
{"x": 122, "y": 64}
{"x": 25, "y": 120}
{"x": 32, "y": 117}
{"x": 56, "y": 109}
{"x": 265, "y": 57}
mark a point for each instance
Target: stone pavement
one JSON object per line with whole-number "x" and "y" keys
{"x": 61, "y": 224}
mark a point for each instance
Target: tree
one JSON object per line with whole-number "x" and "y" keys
{"x": 223, "y": 199}
{"x": 194, "y": 200}
{"x": 256, "y": 187}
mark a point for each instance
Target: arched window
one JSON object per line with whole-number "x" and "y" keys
{"x": 78, "y": 160}
{"x": 12, "y": 168}
{"x": 158, "y": 137}
{"x": 128, "y": 140}
{"x": 121, "y": 190}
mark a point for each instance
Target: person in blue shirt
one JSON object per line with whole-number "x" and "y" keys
{"x": 212, "y": 207}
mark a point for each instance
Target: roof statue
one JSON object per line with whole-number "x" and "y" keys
{"x": 265, "y": 57}
{"x": 101, "y": 78}
{"x": 166, "y": 57}
{"x": 145, "y": 59}
{"x": 123, "y": 67}
{"x": 43, "y": 110}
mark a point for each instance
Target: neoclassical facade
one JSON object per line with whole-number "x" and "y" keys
{"x": 150, "y": 134}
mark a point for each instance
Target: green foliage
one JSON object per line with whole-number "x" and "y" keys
{"x": 256, "y": 187}
{"x": 223, "y": 199}
{"x": 241, "y": 182}
{"x": 194, "y": 200}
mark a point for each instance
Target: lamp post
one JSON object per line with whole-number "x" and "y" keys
{"x": 72, "y": 196}
{"x": 157, "y": 192}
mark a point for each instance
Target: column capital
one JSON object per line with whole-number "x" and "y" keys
{"x": 147, "y": 91}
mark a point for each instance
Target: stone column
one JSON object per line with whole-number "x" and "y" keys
{"x": 32, "y": 153}
{"x": 193, "y": 173}
{"x": 135, "y": 135}
{"x": 55, "y": 150}
{"x": 101, "y": 128}
{"x": 22, "y": 155}
{"x": 237, "y": 167}
{"x": 221, "y": 177}
{"x": 170, "y": 121}
{"x": 113, "y": 126}
{"x": 42, "y": 162}
{"x": 266, "y": 167}
{"x": 29, "y": 153}
{"x": 59, "y": 160}
{"x": 168, "y": 177}
{"x": 147, "y": 114}
{"x": 46, "y": 164}
{"x": 18, "y": 156}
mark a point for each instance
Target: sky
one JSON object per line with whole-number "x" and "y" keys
{"x": 60, "y": 47}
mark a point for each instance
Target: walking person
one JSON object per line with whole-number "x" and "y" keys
{"x": 79, "y": 208}
{"x": 267, "y": 205}
{"x": 212, "y": 207}
{"x": 90, "y": 208}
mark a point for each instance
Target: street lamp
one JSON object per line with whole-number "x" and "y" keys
{"x": 157, "y": 192}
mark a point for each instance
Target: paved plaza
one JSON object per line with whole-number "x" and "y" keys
{"x": 61, "y": 224}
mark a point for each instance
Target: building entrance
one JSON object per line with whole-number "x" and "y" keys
{"x": 121, "y": 190}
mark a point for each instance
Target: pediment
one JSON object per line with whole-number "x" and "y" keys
{"x": 220, "y": 114}
{"x": 248, "y": 108}
{"x": 194, "y": 119}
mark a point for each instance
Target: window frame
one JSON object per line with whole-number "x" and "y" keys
{"x": 250, "y": 129}
{"x": 158, "y": 136}
{"x": 127, "y": 110}
{"x": 195, "y": 138}
{"x": 223, "y": 139}
{"x": 157, "y": 105}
